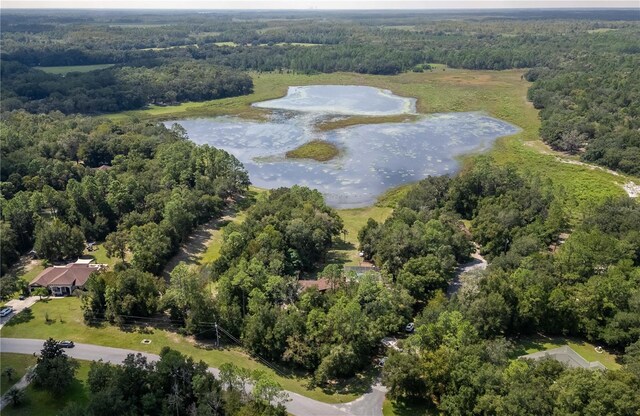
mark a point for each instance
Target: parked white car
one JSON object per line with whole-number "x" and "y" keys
{"x": 410, "y": 327}
{"x": 6, "y": 311}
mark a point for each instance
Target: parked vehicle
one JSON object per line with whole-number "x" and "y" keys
{"x": 410, "y": 327}
{"x": 66, "y": 344}
{"x": 6, "y": 311}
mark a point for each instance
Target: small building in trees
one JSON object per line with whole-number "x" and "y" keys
{"x": 321, "y": 284}
{"x": 63, "y": 280}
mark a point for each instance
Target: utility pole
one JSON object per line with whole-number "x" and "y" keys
{"x": 217, "y": 336}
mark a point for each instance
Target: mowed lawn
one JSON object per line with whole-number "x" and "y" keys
{"x": 62, "y": 70}
{"x": 19, "y": 362}
{"x": 41, "y": 403}
{"x": 529, "y": 345}
{"x": 345, "y": 250}
{"x": 65, "y": 322}
{"x": 212, "y": 251}
{"x": 501, "y": 94}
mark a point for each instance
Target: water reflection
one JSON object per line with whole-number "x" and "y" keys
{"x": 374, "y": 158}
{"x": 342, "y": 99}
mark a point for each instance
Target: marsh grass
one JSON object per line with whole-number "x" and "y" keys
{"x": 319, "y": 150}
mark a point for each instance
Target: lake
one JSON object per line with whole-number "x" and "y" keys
{"x": 374, "y": 157}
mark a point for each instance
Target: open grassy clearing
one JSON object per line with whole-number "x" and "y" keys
{"x": 138, "y": 25}
{"x": 345, "y": 250}
{"x": 62, "y": 70}
{"x": 99, "y": 255}
{"x": 409, "y": 28}
{"x": 26, "y": 269}
{"x": 34, "y": 269}
{"x": 587, "y": 350}
{"x": 232, "y": 44}
{"x": 212, "y": 251}
{"x": 168, "y": 47}
{"x": 66, "y": 322}
{"x": 501, "y": 94}
{"x": 19, "y": 362}
{"x": 601, "y": 30}
{"x": 319, "y": 150}
{"x": 40, "y": 403}
{"x": 298, "y": 44}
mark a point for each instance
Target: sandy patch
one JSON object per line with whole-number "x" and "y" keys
{"x": 632, "y": 189}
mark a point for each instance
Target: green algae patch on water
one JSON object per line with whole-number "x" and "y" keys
{"x": 319, "y": 150}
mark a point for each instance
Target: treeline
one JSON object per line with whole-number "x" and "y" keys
{"x": 140, "y": 186}
{"x": 592, "y": 108}
{"x": 117, "y": 89}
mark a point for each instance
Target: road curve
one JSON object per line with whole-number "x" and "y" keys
{"x": 369, "y": 404}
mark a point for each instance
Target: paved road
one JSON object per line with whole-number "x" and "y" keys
{"x": 368, "y": 405}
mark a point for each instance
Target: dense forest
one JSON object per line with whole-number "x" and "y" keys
{"x": 584, "y": 65}
{"x": 140, "y": 186}
{"x": 117, "y": 89}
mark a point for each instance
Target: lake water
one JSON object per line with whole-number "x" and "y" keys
{"x": 342, "y": 99}
{"x": 374, "y": 158}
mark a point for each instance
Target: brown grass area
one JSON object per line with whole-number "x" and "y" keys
{"x": 327, "y": 125}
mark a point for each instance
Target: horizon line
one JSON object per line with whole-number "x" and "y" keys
{"x": 328, "y": 9}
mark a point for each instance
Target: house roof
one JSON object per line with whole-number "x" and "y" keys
{"x": 567, "y": 356}
{"x": 71, "y": 274}
{"x": 320, "y": 284}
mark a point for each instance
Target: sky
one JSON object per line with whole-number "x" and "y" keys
{"x": 317, "y": 4}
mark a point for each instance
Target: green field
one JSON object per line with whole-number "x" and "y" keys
{"x": 99, "y": 255}
{"x": 319, "y": 150}
{"x": 212, "y": 252}
{"x": 298, "y": 44}
{"x": 346, "y": 251}
{"x": 40, "y": 403}
{"x": 168, "y": 47}
{"x": 66, "y": 322}
{"x": 19, "y": 362}
{"x": 501, "y": 94}
{"x": 61, "y": 70}
{"x": 530, "y": 345}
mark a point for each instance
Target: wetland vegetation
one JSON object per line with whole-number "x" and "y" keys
{"x": 319, "y": 150}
